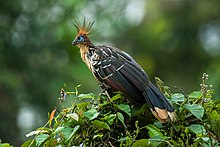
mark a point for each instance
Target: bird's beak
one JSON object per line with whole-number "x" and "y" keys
{"x": 75, "y": 42}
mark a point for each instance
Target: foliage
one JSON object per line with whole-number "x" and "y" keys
{"x": 4, "y": 144}
{"x": 99, "y": 121}
{"x": 173, "y": 39}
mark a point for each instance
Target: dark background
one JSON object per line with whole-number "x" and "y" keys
{"x": 176, "y": 40}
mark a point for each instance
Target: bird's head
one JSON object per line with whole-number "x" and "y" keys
{"x": 83, "y": 30}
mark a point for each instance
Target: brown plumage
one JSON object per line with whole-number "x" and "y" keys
{"x": 118, "y": 71}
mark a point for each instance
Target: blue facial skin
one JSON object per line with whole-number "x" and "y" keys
{"x": 80, "y": 39}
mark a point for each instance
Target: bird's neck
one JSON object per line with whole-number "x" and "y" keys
{"x": 85, "y": 50}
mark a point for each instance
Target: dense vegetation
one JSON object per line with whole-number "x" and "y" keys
{"x": 176, "y": 40}
{"x": 92, "y": 120}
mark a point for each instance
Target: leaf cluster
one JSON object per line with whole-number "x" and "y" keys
{"x": 93, "y": 120}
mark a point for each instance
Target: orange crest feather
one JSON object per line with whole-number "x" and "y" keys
{"x": 83, "y": 28}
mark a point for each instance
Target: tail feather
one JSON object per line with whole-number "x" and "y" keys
{"x": 159, "y": 105}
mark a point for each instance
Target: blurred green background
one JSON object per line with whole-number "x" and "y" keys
{"x": 176, "y": 40}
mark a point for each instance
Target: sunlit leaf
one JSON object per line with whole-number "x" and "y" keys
{"x": 86, "y": 96}
{"x": 58, "y": 129}
{"x": 5, "y": 145}
{"x": 156, "y": 140}
{"x": 91, "y": 114}
{"x": 125, "y": 108}
{"x": 195, "y": 94}
{"x": 115, "y": 97}
{"x": 121, "y": 118}
{"x": 41, "y": 138}
{"x": 196, "y": 109}
{"x": 97, "y": 136}
{"x": 177, "y": 97}
{"x": 101, "y": 124}
{"x": 103, "y": 104}
{"x": 215, "y": 115}
{"x": 83, "y": 104}
{"x": 205, "y": 139}
{"x": 154, "y": 131}
{"x": 111, "y": 118}
{"x": 73, "y": 116}
{"x": 29, "y": 143}
{"x": 142, "y": 143}
{"x": 197, "y": 129}
{"x": 73, "y": 132}
{"x": 66, "y": 132}
{"x": 36, "y": 132}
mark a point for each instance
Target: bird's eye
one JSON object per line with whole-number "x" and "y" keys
{"x": 80, "y": 39}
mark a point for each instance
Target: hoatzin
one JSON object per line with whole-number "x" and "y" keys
{"x": 118, "y": 71}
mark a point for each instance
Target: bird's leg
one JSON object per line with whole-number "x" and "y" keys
{"x": 108, "y": 91}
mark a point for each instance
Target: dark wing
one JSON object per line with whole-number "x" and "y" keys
{"x": 119, "y": 71}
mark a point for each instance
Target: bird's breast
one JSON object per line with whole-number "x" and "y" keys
{"x": 84, "y": 55}
{"x": 86, "y": 60}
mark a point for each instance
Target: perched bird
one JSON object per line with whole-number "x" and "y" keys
{"x": 118, "y": 71}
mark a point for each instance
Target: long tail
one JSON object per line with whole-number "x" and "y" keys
{"x": 159, "y": 105}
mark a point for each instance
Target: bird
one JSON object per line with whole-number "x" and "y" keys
{"x": 116, "y": 70}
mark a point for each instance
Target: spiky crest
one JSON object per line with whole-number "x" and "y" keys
{"x": 83, "y": 27}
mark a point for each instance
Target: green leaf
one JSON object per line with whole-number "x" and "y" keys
{"x": 58, "y": 129}
{"x": 196, "y": 109}
{"x": 195, "y": 94}
{"x": 117, "y": 96}
{"x": 137, "y": 110}
{"x": 73, "y": 132}
{"x": 38, "y": 131}
{"x": 41, "y": 138}
{"x": 5, "y": 145}
{"x": 83, "y": 105}
{"x": 205, "y": 139}
{"x": 103, "y": 104}
{"x": 215, "y": 115}
{"x": 125, "y": 108}
{"x": 142, "y": 143}
{"x": 121, "y": 118}
{"x": 97, "y": 136}
{"x": 177, "y": 97}
{"x": 29, "y": 143}
{"x": 197, "y": 129}
{"x": 101, "y": 124}
{"x": 154, "y": 131}
{"x": 156, "y": 140}
{"x": 111, "y": 118}
{"x": 158, "y": 124}
{"x": 91, "y": 114}
{"x": 73, "y": 116}
{"x": 66, "y": 131}
{"x": 86, "y": 96}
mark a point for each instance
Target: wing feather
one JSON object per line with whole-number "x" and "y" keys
{"x": 118, "y": 70}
